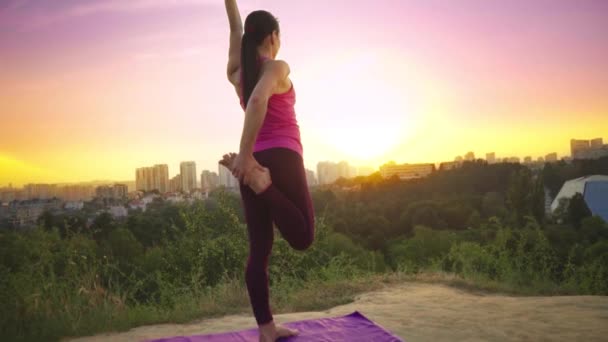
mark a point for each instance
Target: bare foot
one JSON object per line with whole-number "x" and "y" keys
{"x": 258, "y": 179}
{"x": 270, "y": 332}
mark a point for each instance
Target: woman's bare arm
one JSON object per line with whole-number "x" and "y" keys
{"x": 236, "y": 34}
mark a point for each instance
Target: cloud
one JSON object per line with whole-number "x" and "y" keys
{"x": 39, "y": 20}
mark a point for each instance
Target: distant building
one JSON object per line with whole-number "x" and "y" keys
{"x": 161, "y": 178}
{"x": 310, "y": 178}
{"x": 209, "y": 180}
{"x": 595, "y": 194}
{"x": 226, "y": 178}
{"x": 8, "y": 195}
{"x": 551, "y": 158}
{"x": 594, "y": 190}
{"x": 175, "y": 184}
{"x": 406, "y": 171}
{"x": 40, "y": 191}
{"x": 116, "y": 191}
{"x": 118, "y": 211}
{"x": 578, "y": 146}
{"x": 329, "y": 172}
{"x": 588, "y": 149}
{"x": 152, "y": 178}
{"x": 449, "y": 165}
{"x": 514, "y": 160}
{"x": 594, "y": 153}
{"x": 188, "y": 173}
{"x": 470, "y": 156}
{"x": 26, "y": 213}
{"x": 73, "y": 205}
{"x": 491, "y": 158}
{"x": 137, "y": 204}
{"x": 596, "y": 143}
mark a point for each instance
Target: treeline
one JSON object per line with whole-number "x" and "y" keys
{"x": 483, "y": 222}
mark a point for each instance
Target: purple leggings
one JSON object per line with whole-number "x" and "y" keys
{"x": 287, "y": 203}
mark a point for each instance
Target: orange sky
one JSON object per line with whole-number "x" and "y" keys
{"x": 93, "y": 91}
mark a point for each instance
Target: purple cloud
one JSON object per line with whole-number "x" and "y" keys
{"x": 15, "y": 17}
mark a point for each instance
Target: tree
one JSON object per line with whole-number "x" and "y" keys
{"x": 594, "y": 229}
{"x": 538, "y": 199}
{"x": 577, "y": 210}
{"x": 102, "y": 225}
{"x": 519, "y": 196}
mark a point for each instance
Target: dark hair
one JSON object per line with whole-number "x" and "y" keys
{"x": 258, "y": 25}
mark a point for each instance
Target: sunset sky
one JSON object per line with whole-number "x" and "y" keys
{"x": 94, "y": 89}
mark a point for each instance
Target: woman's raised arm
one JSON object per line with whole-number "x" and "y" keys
{"x": 236, "y": 34}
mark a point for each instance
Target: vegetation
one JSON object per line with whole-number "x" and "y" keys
{"x": 481, "y": 224}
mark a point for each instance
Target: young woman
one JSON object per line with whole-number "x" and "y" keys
{"x": 269, "y": 165}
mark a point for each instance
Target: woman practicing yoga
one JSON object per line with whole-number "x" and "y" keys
{"x": 269, "y": 165}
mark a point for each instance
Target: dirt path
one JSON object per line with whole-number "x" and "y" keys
{"x": 431, "y": 312}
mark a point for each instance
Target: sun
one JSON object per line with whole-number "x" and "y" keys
{"x": 364, "y": 111}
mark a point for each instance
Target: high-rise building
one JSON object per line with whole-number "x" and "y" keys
{"x": 188, "y": 173}
{"x": 577, "y": 147}
{"x": 470, "y": 156}
{"x": 310, "y": 178}
{"x": 327, "y": 172}
{"x": 226, "y": 178}
{"x": 175, "y": 183}
{"x": 551, "y": 157}
{"x": 406, "y": 171}
{"x": 144, "y": 178}
{"x": 588, "y": 149}
{"x": 161, "y": 177}
{"x": 140, "y": 182}
{"x": 76, "y": 192}
{"x": 152, "y": 178}
{"x": 596, "y": 143}
{"x": 491, "y": 157}
{"x": 40, "y": 191}
{"x": 117, "y": 191}
{"x": 104, "y": 191}
{"x": 209, "y": 180}
{"x": 120, "y": 190}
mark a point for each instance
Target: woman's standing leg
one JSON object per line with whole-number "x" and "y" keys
{"x": 261, "y": 237}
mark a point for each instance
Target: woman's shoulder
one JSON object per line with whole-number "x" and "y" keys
{"x": 278, "y": 66}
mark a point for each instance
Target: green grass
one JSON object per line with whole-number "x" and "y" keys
{"x": 230, "y": 297}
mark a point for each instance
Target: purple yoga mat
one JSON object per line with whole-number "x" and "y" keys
{"x": 352, "y": 327}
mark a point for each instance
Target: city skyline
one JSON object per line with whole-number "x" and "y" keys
{"x": 226, "y": 179}
{"x": 94, "y": 90}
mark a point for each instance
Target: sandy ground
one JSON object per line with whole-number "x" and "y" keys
{"x": 431, "y": 312}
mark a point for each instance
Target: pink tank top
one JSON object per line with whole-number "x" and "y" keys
{"x": 280, "y": 127}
